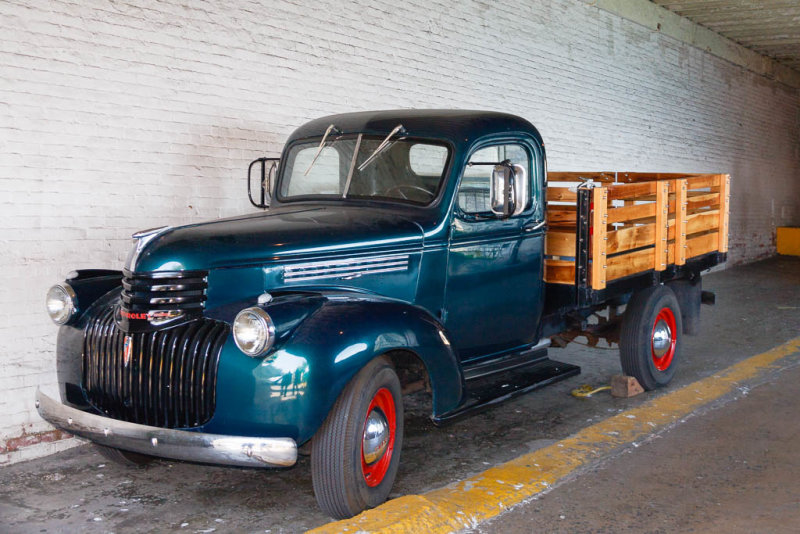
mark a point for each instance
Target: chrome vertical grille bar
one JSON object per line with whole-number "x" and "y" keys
{"x": 169, "y": 380}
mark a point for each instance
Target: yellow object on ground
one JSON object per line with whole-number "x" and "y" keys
{"x": 587, "y": 390}
{"x": 467, "y": 503}
{"x": 789, "y": 241}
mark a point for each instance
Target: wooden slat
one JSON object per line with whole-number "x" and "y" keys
{"x": 559, "y": 271}
{"x": 618, "y": 177}
{"x": 559, "y": 244}
{"x": 630, "y": 263}
{"x": 661, "y": 227}
{"x": 599, "y": 230}
{"x": 707, "y": 180}
{"x": 702, "y": 195}
{"x": 561, "y": 194}
{"x": 579, "y": 176}
{"x": 703, "y": 244}
{"x": 695, "y": 200}
{"x": 562, "y": 215}
{"x": 629, "y": 191}
{"x": 702, "y": 222}
{"x": 698, "y": 211}
{"x": 680, "y": 222}
{"x": 630, "y": 238}
{"x": 651, "y": 176}
{"x": 631, "y": 213}
{"x": 724, "y": 211}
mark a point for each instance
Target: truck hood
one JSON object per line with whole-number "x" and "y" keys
{"x": 281, "y": 234}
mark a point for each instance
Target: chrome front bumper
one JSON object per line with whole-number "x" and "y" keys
{"x": 169, "y": 443}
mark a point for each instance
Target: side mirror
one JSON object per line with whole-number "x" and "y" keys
{"x": 268, "y": 168}
{"x": 510, "y": 190}
{"x": 503, "y": 196}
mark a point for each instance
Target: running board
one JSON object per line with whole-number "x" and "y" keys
{"x": 473, "y": 371}
{"x": 485, "y": 391}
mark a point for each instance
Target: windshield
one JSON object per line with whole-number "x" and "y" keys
{"x": 405, "y": 170}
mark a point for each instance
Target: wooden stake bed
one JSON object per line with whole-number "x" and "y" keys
{"x": 636, "y": 221}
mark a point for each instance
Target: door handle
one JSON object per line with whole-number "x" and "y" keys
{"x": 532, "y": 227}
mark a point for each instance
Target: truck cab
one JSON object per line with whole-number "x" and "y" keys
{"x": 392, "y": 251}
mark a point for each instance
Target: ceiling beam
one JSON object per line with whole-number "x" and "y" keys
{"x": 659, "y": 19}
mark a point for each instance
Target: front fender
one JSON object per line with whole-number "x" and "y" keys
{"x": 291, "y": 391}
{"x": 91, "y": 284}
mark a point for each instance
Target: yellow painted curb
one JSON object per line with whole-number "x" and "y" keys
{"x": 466, "y": 503}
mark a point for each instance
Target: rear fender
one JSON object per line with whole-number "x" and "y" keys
{"x": 689, "y": 293}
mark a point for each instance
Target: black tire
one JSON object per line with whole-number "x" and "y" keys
{"x": 343, "y": 483}
{"x": 640, "y": 358}
{"x": 126, "y": 458}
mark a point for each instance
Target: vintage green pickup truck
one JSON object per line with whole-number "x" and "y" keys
{"x": 400, "y": 251}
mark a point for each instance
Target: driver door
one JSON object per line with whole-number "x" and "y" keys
{"x": 494, "y": 292}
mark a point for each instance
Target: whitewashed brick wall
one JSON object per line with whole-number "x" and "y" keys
{"x": 118, "y": 116}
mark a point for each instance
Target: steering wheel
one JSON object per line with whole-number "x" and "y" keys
{"x": 399, "y": 190}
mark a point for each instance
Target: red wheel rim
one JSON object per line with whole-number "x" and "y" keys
{"x": 374, "y": 472}
{"x": 663, "y": 362}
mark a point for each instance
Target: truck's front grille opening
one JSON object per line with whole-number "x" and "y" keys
{"x": 165, "y": 378}
{"x": 183, "y": 291}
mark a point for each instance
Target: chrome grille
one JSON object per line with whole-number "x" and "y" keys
{"x": 168, "y": 380}
{"x": 168, "y": 291}
{"x": 345, "y": 269}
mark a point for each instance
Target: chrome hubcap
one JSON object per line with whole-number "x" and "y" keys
{"x": 662, "y": 339}
{"x": 376, "y": 437}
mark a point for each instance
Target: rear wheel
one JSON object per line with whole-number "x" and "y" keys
{"x": 356, "y": 452}
{"x": 126, "y": 458}
{"x": 650, "y": 339}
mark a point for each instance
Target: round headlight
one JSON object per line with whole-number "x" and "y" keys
{"x": 61, "y": 303}
{"x": 253, "y": 331}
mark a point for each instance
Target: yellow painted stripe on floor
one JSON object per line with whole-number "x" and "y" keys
{"x": 466, "y": 503}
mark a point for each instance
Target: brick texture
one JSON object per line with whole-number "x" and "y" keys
{"x": 118, "y": 116}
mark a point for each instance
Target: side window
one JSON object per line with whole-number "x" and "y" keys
{"x": 474, "y": 192}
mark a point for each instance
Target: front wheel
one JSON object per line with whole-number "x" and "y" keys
{"x": 356, "y": 452}
{"x": 650, "y": 339}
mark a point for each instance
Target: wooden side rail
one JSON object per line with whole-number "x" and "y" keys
{"x": 648, "y": 221}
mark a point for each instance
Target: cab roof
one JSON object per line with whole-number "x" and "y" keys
{"x": 456, "y": 125}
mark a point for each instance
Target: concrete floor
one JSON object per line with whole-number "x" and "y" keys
{"x": 757, "y": 309}
{"x": 731, "y": 469}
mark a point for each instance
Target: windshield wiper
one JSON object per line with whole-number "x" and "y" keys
{"x": 383, "y": 146}
{"x": 331, "y": 128}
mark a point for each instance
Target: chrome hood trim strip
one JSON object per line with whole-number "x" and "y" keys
{"x": 140, "y": 241}
{"x": 346, "y": 268}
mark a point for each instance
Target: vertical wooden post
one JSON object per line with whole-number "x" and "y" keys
{"x": 599, "y": 237}
{"x": 680, "y": 222}
{"x": 724, "y": 210}
{"x": 662, "y": 226}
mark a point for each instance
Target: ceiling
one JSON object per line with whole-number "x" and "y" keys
{"x": 769, "y": 27}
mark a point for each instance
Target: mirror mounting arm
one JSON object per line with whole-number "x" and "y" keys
{"x": 510, "y": 205}
{"x": 268, "y": 170}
